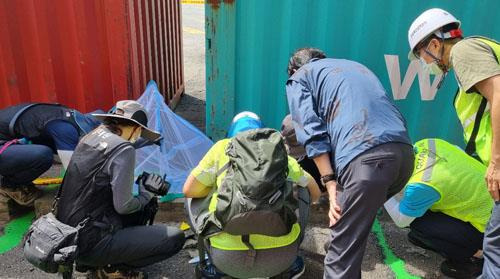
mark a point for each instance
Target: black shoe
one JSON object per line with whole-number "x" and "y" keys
{"x": 208, "y": 271}
{"x": 83, "y": 268}
{"x": 118, "y": 274}
{"x": 466, "y": 270}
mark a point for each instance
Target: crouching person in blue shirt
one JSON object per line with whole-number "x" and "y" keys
{"x": 358, "y": 140}
{"x": 50, "y": 128}
{"x": 447, "y": 206}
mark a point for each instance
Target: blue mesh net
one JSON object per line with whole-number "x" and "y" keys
{"x": 182, "y": 147}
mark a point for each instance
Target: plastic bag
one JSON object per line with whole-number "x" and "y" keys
{"x": 182, "y": 147}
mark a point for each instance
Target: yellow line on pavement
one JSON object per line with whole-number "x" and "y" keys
{"x": 48, "y": 181}
{"x": 192, "y": 30}
{"x": 193, "y": 2}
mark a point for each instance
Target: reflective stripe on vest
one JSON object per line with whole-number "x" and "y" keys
{"x": 467, "y": 106}
{"x": 225, "y": 241}
{"x": 457, "y": 177}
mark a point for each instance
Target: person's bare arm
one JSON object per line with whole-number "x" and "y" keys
{"x": 325, "y": 167}
{"x": 490, "y": 89}
{"x": 313, "y": 188}
{"x": 195, "y": 189}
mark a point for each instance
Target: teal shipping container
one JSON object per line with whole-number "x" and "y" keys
{"x": 249, "y": 43}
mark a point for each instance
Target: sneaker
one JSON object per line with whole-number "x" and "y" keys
{"x": 24, "y": 195}
{"x": 470, "y": 269}
{"x": 208, "y": 271}
{"x": 83, "y": 268}
{"x": 295, "y": 271}
{"x": 117, "y": 274}
{"x": 4, "y": 211}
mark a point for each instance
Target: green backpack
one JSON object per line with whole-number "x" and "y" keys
{"x": 255, "y": 197}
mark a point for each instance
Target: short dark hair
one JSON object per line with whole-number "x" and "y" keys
{"x": 302, "y": 56}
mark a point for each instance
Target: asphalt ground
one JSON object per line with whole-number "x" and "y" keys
{"x": 388, "y": 253}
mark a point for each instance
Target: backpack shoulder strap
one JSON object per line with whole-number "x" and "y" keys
{"x": 221, "y": 170}
{"x": 13, "y": 121}
{"x": 471, "y": 144}
{"x": 18, "y": 114}
{"x": 251, "y": 253}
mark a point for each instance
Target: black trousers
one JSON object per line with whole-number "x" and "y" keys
{"x": 135, "y": 247}
{"x": 454, "y": 239}
{"x": 136, "y": 244}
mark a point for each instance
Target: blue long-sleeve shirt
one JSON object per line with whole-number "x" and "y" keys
{"x": 340, "y": 106}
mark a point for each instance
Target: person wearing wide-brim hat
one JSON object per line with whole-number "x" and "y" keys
{"x": 98, "y": 185}
{"x": 130, "y": 111}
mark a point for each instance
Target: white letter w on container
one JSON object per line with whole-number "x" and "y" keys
{"x": 400, "y": 90}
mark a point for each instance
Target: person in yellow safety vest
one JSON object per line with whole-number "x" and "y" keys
{"x": 446, "y": 205}
{"x": 436, "y": 39}
{"x": 227, "y": 252}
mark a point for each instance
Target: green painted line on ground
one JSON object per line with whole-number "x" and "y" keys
{"x": 14, "y": 232}
{"x": 396, "y": 264}
{"x": 171, "y": 196}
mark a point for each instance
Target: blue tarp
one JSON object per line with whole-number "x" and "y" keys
{"x": 182, "y": 147}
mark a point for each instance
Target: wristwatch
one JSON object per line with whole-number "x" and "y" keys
{"x": 327, "y": 178}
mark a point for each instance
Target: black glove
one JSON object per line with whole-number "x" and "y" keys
{"x": 153, "y": 183}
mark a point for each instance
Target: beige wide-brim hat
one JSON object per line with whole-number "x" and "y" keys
{"x": 132, "y": 111}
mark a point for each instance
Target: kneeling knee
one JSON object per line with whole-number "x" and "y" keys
{"x": 174, "y": 239}
{"x": 44, "y": 156}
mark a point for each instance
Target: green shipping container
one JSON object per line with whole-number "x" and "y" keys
{"x": 249, "y": 43}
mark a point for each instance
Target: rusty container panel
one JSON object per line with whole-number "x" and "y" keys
{"x": 89, "y": 54}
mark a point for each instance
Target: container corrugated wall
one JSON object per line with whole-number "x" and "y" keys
{"x": 249, "y": 44}
{"x": 89, "y": 54}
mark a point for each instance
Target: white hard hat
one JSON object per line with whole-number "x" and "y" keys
{"x": 245, "y": 114}
{"x": 426, "y": 24}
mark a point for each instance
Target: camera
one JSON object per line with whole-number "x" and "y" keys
{"x": 153, "y": 183}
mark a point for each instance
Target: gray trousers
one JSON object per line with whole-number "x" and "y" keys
{"x": 267, "y": 262}
{"x": 134, "y": 247}
{"x": 363, "y": 186}
{"x": 491, "y": 246}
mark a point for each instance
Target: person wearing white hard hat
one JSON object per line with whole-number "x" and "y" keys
{"x": 436, "y": 39}
{"x": 244, "y": 121}
{"x": 275, "y": 255}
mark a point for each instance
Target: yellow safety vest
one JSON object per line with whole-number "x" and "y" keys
{"x": 225, "y": 241}
{"x": 467, "y": 106}
{"x": 457, "y": 177}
